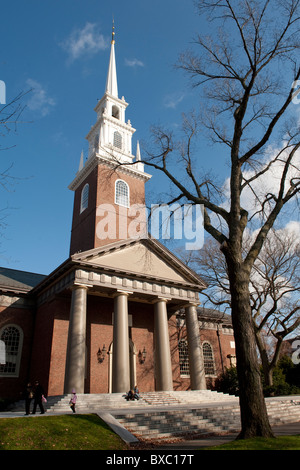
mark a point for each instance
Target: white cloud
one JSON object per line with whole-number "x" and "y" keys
{"x": 173, "y": 99}
{"x": 293, "y": 228}
{"x": 38, "y": 98}
{"x": 85, "y": 41}
{"x": 134, "y": 63}
{"x": 266, "y": 184}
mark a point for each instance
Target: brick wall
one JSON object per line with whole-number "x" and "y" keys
{"x": 101, "y": 190}
{"x": 45, "y": 345}
{"x": 17, "y": 311}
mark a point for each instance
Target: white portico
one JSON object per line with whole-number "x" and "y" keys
{"x": 138, "y": 271}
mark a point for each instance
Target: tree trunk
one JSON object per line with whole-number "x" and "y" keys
{"x": 266, "y": 366}
{"x": 254, "y": 417}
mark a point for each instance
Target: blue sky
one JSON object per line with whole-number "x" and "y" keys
{"x": 61, "y": 50}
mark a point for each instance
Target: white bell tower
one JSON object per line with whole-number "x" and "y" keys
{"x": 111, "y": 136}
{"x": 111, "y": 174}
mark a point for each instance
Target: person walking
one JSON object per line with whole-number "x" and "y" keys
{"x": 28, "y": 395}
{"x": 38, "y": 398}
{"x": 73, "y": 401}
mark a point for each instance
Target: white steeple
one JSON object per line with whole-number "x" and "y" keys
{"x": 81, "y": 164}
{"x": 110, "y": 138}
{"x": 111, "y": 82}
{"x": 138, "y": 152}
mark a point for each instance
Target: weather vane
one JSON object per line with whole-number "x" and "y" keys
{"x": 113, "y": 33}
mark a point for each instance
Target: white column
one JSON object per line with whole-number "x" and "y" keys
{"x": 163, "y": 366}
{"x": 196, "y": 362}
{"x": 121, "y": 370}
{"x": 75, "y": 360}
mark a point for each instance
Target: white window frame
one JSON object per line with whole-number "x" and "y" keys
{"x": 184, "y": 364}
{"x": 17, "y": 356}
{"x": 117, "y": 196}
{"x": 212, "y": 359}
{"x": 115, "y": 112}
{"x": 84, "y": 201}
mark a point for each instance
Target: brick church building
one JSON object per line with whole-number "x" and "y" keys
{"x": 122, "y": 309}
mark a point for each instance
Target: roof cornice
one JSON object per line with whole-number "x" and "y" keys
{"x": 97, "y": 159}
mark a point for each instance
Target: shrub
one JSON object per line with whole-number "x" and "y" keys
{"x": 227, "y": 382}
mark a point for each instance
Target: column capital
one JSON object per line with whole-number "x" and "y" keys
{"x": 191, "y": 304}
{"x": 77, "y": 285}
{"x": 160, "y": 299}
{"x": 121, "y": 292}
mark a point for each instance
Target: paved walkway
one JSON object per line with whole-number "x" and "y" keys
{"x": 290, "y": 429}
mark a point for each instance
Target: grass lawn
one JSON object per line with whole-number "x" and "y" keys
{"x": 89, "y": 432}
{"x": 261, "y": 443}
{"x": 64, "y": 432}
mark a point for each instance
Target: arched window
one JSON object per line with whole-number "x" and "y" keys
{"x": 122, "y": 193}
{"x": 115, "y": 112}
{"x": 208, "y": 358}
{"x": 183, "y": 358}
{"x": 12, "y": 338}
{"x": 118, "y": 140}
{"x": 84, "y": 198}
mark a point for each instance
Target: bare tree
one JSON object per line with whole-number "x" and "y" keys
{"x": 275, "y": 287}
{"x": 10, "y": 114}
{"x": 248, "y": 72}
{"x": 274, "y": 291}
{"x": 10, "y": 117}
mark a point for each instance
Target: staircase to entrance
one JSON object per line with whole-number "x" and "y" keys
{"x": 158, "y": 415}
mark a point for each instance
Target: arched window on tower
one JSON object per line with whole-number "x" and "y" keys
{"x": 84, "y": 198}
{"x": 11, "y": 337}
{"x": 115, "y": 112}
{"x": 208, "y": 358}
{"x": 118, "y": 140}
{"x": 122, "y": 193}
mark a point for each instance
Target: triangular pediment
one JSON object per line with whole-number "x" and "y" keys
{"x": 145, "y": 258}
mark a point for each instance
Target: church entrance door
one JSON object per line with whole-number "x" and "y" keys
{"x": 132, "y": 364}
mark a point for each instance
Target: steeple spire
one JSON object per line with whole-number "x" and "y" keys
{"x": 111, "y": 82}
{"x": 113, "y": 33}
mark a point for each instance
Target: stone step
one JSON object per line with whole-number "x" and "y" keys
{"x": 171, "y": 424}
{"x": 166, "y": 414}
{"x": 110, "y": 400}
{"x": 202, "y": 420}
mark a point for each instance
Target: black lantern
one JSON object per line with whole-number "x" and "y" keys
{"x": 101, "y": 354}
{"x": 142, "y": 356}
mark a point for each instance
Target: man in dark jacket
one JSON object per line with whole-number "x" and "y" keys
{"x": 38, "y": 398}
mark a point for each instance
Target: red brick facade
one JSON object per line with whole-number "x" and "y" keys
{"x": 45, "y": 333}
{"x": 101, "y": 183}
